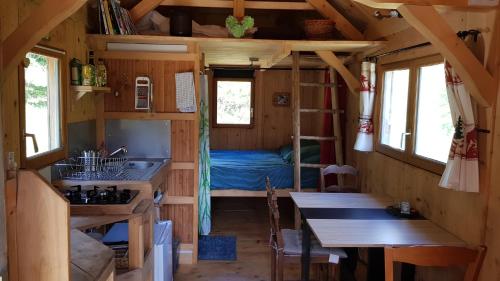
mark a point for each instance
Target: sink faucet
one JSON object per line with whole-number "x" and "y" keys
{"x": 121, "y": 149}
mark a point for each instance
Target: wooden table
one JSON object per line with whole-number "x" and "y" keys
{"x": 360, "y": 221}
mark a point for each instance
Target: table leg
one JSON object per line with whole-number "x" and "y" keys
{"x": 376, "y": 266}
{"x": 306, "y": 250}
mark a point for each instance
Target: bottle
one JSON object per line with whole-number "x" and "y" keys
{"x": 101, "y": 75}
{"x": 88, "y": 71}
{"x": 76, "y": 72}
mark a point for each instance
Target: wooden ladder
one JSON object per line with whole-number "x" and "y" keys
{"x": 297, "y": 110}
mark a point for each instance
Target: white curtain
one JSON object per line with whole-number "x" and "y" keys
{"x": 364, "y": 140}
{"x": 462, "y": 168}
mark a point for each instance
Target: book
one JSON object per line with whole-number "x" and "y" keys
{"x": 103, "y": 17}
{"x": 108, "y": 18}
{"x": 117, "y": 17}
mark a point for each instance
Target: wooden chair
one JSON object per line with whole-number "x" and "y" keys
{"x": 339, "y": 170}
{"x": 286, "y": 244}
{"x": 436, "y": 256}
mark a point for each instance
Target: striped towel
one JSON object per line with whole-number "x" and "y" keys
{"x": 184, "y": 92}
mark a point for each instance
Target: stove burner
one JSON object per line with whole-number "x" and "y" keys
{"x": 99, "y": 196}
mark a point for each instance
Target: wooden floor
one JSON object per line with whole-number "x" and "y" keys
{"x": 247, "y": 218}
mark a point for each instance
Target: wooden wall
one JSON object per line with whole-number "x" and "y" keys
{"x": 273, "y": 124}
{"x": 182, "y": 178}
{"x": 469, "y": 216}
{"x": 68, "y": 36}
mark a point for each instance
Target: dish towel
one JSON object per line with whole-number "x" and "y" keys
{"x": 184, "y": 92}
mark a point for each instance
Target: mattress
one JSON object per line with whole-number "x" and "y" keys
{"x": 248, "y": 169}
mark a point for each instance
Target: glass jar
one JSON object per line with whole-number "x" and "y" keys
{"x": 101, "y": 74}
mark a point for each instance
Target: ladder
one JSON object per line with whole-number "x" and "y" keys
{"x": 297, "y": 110}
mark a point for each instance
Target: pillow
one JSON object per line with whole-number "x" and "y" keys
{"x": 309, "y": 152}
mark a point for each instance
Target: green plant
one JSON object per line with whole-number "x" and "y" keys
{"x": 238, "y": 28}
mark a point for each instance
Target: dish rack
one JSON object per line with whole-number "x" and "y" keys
{"x": 91, "y": 168}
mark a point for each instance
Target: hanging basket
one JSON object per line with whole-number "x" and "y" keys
{"x": 319, "y": 29}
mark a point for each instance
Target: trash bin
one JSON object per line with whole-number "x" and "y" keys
{"x": 163, "y": 267}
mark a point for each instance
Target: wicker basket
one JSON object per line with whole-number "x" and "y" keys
{"x": 319, "y": 29}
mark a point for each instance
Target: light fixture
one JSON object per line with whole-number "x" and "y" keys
{"x": 170, "y": 48}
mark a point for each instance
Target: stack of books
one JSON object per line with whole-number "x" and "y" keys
{"x": 113, "y": 19}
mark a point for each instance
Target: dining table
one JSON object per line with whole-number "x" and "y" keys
{"x": 362, "y": 220}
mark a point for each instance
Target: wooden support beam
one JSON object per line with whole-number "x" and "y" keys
{"x": 427, "y": 21}
{"x": 341, "y": 23}
{"x": 282, "y": 53}
{"x": 331, "y": 59}
{"x": 257, "y": 5}
{"x": 239, "y": 8}
{"x": 41, "y": 21}
{"x": 394, "y": 4}
{"x": 142, "y": 8}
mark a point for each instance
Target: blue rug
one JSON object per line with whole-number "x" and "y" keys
{"x": 222, "y": 248}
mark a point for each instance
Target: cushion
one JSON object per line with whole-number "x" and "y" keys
{"x": 309, "y": 152}
{"x": 293, "y": 245}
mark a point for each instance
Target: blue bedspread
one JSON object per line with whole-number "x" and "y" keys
{"x": 248, "y": 169}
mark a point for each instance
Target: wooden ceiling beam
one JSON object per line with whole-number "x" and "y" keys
{"x": 341, "y": 23}
{"x": 142, "y": 8}
{"x": 394, "y": 4}
{"x": 239, "y": 8}
{"x": 256, "y": 5}
{"x": 427, "y": 21}
{"x": 332, "y": 60}
{"x": 40, "y": 22}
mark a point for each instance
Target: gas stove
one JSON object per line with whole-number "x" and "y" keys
{"x": 110, "y": 195}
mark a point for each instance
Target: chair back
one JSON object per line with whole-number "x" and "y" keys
{"x": 274, "y": 216}
{"x": 339, "y": 170}
{"x": 436, "y": 256}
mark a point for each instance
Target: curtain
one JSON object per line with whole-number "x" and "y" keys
{"x": 204, "y": 207}
{"x": 462, "y": 169}
{"x": 364, "y": 139}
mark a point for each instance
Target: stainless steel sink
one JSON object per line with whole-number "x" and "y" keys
{"x": 139, "y": 165}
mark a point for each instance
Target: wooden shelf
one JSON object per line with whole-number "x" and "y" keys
{"x": 83, "y": 90}
{"x": 232, "y": 51}
{"x": 150, "y": 115}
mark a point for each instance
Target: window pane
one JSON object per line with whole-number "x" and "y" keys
{"x": 434, "y": 124}
{"x": 234, "y": 102}
{"x": 42, "y": 95}
{"x": 394, "y": 108}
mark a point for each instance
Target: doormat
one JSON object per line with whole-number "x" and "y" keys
{"x": 221, "y": 248}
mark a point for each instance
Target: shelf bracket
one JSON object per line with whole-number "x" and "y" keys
{"x": 427, "y": 21}
{"x": 332, "y": 60}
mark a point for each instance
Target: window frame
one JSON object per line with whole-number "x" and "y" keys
{"x": 252, "y": 103}
{"x": 408, "y": 155}
{"x": 44, "y": 159}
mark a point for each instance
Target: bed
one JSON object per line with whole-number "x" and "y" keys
{"x": 243, "y": 172}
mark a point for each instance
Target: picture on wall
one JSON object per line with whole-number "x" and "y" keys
{"x": 281, "y": 99}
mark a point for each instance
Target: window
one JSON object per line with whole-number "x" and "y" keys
{"x": 233, "y": 104}
{"x": 41, "y": 89}
{"x": 415, "y": 118}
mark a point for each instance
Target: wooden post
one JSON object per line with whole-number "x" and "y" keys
{"x": 135, "y": 243}
{"x": 296, "y": 128}
{"x": 337, "y": 130}
{"x": 239, "y": 9}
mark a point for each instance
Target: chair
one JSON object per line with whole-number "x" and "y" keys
{"x": 339, "y": 170}
{"x": 436, "y": 256}
{"x": 286, "y": 244}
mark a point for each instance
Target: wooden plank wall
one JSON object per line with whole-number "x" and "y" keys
{"x": 273, "y": 124}
{"x": 180, "y": 181}
{"x": 463, "y": 214}
{"x": 68, "y": 36}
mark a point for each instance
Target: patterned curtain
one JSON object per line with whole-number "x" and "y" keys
{"x": 462, "y": 168}
{"x": 364, "y": 140}
{"x": 204, "y": 207}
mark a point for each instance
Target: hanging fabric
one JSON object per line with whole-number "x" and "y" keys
{"x": 462, "y": 169}
{"x": 204, "y": 208}
{"x": 364, "y": 139}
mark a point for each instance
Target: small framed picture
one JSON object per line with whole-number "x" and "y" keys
{"x": 281, "y": 99}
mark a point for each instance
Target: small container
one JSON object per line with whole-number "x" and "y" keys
{"x": 101, "y": 74}
{"x": 76, "y": 72}
{"x": 405, "y": 208}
